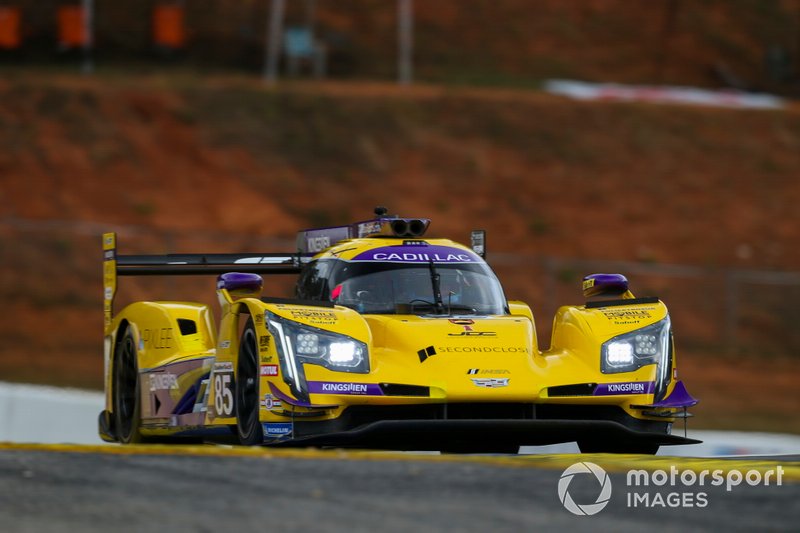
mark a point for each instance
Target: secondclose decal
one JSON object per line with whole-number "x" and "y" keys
{"x": 430, "y": 351}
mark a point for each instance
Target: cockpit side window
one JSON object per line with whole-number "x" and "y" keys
{"x": 313, "y": 282}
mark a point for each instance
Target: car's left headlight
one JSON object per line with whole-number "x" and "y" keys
{"x": 633, "y": 350}
{"x": 308, "y": 344}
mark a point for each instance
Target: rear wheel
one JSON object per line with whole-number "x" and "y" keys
{"x": 248, "y": 425}
{"x": 127, "y": 403}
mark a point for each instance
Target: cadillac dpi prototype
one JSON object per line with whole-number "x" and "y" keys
{"x": 394, "y": 341}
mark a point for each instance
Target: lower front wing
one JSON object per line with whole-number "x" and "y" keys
{"x": 484, "y": 435}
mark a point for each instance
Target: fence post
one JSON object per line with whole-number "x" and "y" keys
{"x": 405, "y": 41}
{"x": 273, "y": 40}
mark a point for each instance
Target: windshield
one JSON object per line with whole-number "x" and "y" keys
{"x": 408, "y": 288}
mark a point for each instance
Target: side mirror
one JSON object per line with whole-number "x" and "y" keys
{"x": 604, "y": 285}
{"x": 240, "y": 285}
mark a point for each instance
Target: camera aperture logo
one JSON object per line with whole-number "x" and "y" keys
{"x": 602, "y": 498}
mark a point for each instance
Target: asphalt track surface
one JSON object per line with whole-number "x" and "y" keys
{"x": 46, "y": 488}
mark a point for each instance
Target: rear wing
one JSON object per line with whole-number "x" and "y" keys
{"x": 115, "y": 265}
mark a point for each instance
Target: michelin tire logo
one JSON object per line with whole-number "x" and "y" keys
{"x": 277, "y": 429}
{"x": 602, "y": 498}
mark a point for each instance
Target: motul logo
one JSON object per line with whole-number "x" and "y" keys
{"x": 269, "y": 370}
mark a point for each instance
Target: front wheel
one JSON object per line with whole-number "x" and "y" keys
{"x": 248, "y": 426}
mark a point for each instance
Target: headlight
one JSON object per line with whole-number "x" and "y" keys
{"x": 307, "y": 344}
{"x": 646, "y": 346}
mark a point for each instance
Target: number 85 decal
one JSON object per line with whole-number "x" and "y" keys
{"x": 223, "y": 395}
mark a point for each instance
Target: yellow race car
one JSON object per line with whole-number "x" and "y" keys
{"x": 394, "y": 341}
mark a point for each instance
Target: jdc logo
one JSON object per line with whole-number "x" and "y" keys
{"x": 473, "y": 334}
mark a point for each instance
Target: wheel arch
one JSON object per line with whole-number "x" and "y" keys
{"x": 139, "y": 317}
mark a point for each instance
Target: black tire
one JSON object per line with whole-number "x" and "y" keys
{"x": 127, "y": 401}
{"x": 248, "y": 426}
{"x": 640, "y": 448}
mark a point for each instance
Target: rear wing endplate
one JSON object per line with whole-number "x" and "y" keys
{"x": 187, "y": 264}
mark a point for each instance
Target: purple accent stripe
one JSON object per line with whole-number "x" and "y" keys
{"x": 297, "y": 403}
{"x": 418, "y": 254}
{"x": 359, "y": 389}
{"x": 625, "y": 387}
{"x": 679, "y": 398}
{"x": 186, "y": 404}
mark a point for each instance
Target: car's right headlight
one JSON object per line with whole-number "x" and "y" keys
{"x": 315, "y": 346}
{"x": 635, "y": 349}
